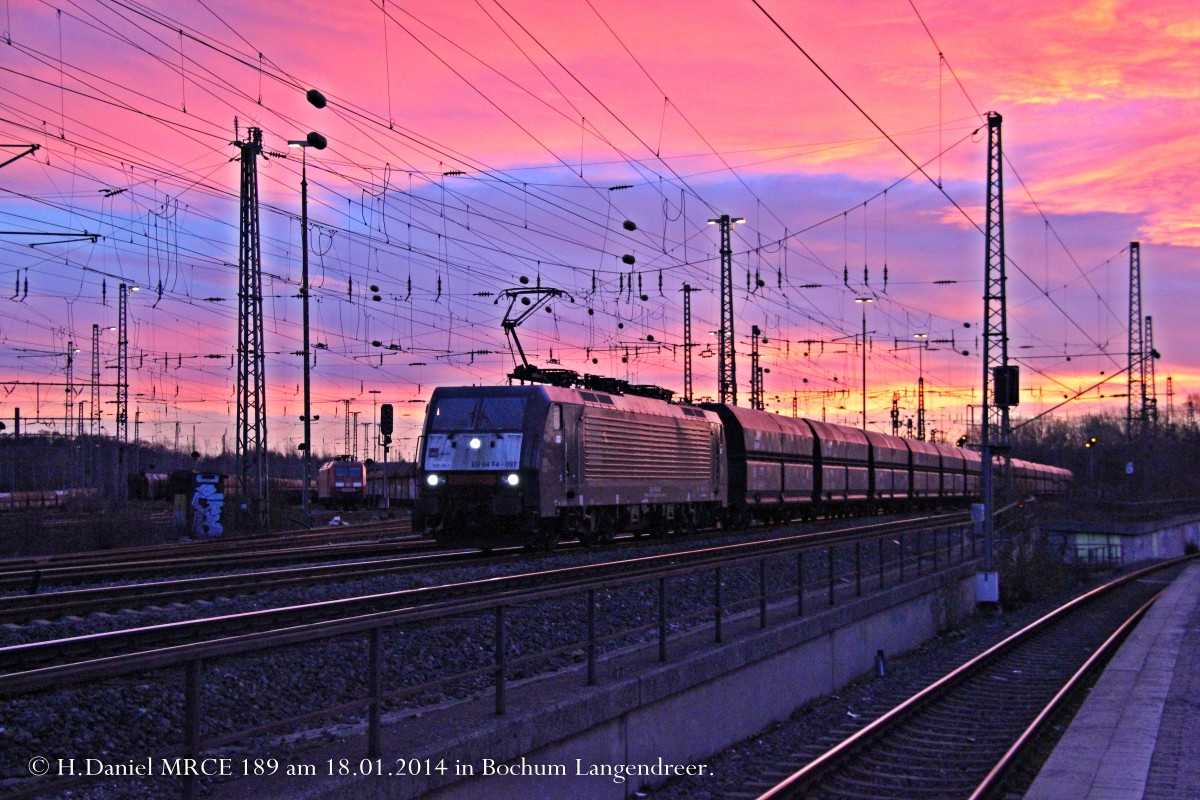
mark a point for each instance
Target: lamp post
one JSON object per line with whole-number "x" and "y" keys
{"x": 318, "y": 141}
{"x": 863, "y": 301}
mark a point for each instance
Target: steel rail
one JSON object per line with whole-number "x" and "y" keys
{"x": 51, "y": 605}
{"x": 225, "y": 544}
{"x": 801, "y": 781}
{"x": 1023, "y": 743}
{"x": 435, "y": 600}
{"x": 32, "y": 579}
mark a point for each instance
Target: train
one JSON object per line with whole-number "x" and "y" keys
{"x": 342, "y": 483}
{"x": 534, "y": 464}
{"x": 48, "y": 498}
{"x": 395, "y": 480}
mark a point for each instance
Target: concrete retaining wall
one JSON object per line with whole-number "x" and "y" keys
{"x": 700, "y": 704}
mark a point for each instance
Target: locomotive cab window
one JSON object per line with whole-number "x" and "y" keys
{"x": 454, "y": 413}
{"x": 556, "y": 417}
{"x": 501, "y": 414}
{"x": 475, "y": 414}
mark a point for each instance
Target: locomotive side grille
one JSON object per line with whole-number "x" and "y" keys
{"x": 620, "y": 449}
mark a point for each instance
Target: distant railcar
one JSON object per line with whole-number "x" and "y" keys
{"x": 48, "y": 498}
{"x": 148, "y": 486}
{"x": 395, "y": 480}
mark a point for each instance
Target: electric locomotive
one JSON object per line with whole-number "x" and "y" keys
{"x": 342, "y": 482}
{"x": 532, "y": 464}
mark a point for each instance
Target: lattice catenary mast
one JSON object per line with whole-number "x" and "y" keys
{"x": 998, "y": 377}
{"x": 95, "y": 415}
{"x": 726, "y": 366}
{"x": 1148, "y": 369}
{"x": 1135, "y": 414}
{"x": 251, "y": 436}
{"x": 756, "y": 374}
{"x": 688, "y": 344}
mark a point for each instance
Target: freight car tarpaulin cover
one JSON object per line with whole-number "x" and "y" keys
{"x": 204, "y": 494}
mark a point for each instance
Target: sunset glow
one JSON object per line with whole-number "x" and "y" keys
{"x": 473, "y": 145}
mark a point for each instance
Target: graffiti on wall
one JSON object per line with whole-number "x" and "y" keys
{"x": 207, "y": 502}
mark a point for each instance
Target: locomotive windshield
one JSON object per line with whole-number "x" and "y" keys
{"x": 501, "y": 413}
{"x": 454, "y": 413}
{"x": 479, "y": 414}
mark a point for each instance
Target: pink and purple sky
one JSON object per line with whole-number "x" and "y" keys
{"x": 472, "y": 144}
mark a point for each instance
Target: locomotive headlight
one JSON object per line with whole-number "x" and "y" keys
{"x": 513, "y": 479}
{"x": 475, "y": 443}
{"x": 432, "y": 479}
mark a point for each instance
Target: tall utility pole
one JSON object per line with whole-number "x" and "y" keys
{"x": 95, "y": 416}
{"x": 756, "y": 388}
{"x": 726, "y": 368}
{"x": 251, "y": 436}
{"x": 921, "y": 408}
{"x": 1151, "y": 390}
{"x": 688, "y": 344}
{"x": 366, "y": 438}
{"x": 122, "y": 367}
{"x": 863, "y": 301}
{"x": 68, "y": 414}
{"x": 120, "y": 485}
{"x": 922, "y": 345}
{"x": 318, "y": 141}
{"x": 997, "y": 375}
{"x": 1135, "y": 414}
{"x": 1170, "y": 398}
{"x": 349, "y": 425}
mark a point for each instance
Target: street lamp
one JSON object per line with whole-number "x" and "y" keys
{"x": 864, "y": 301}
{"x": 318, "y": 141}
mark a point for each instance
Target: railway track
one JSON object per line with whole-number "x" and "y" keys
{"x": 16, "y": 609}
{"x": 123, "y": 642}
{"x": 369, "y": 560}
{"x": 965, "y": 734}
{"x": 31, "y": 575}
